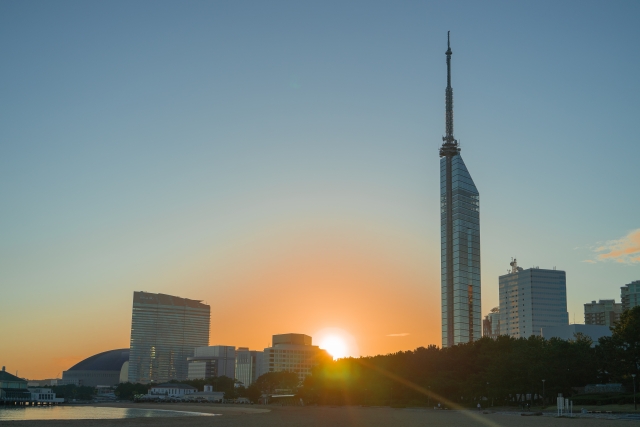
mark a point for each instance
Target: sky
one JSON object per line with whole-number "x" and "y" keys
{"x": 279, "y": 161}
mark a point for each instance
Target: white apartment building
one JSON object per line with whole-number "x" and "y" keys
{"x": 605, "y": 312}
{"x": 171, "y": 390}
{"x": 532, "y": 299}
{"x": 292, "y": 353}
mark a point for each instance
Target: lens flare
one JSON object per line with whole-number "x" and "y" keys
{"x": 337, "y": 342}
{"x": 335, "y": 346}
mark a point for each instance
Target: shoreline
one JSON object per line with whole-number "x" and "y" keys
{"x": 203, "y": 408}
{"x": 320, "y": 416}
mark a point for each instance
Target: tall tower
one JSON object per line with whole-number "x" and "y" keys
{"x": 460, "y": 237}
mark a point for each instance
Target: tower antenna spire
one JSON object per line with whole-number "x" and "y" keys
{"x": 450, "y": 144}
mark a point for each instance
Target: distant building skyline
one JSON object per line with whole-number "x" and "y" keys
{"x": 460, "y": 237}
{"x": 532, "y": 299}
{"x": 491, "y": 324}
{"x": 605, "y": 312}
{"x": 212, "y": 361}
{"x": 165, "y": 330}
{"x": 630, "y": 295}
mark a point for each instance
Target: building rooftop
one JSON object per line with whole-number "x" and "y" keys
{"x": 163, "y": 299}
{"x": 296, "y": 339}
{"x": 174, "y": 385}
{"x": 6, "y": 376}
{"x": 111, "y": 360}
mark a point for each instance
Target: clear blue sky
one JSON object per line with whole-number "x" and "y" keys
{"x": 133, "y": 133}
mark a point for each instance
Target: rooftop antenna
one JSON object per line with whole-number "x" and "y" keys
{"x": 450, "y": 146}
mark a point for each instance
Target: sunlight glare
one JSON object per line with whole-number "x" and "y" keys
{"x": 337, "y": 342}
{"x": 335, "y": 346}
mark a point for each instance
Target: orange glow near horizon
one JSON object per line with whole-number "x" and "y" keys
{"x": 382, "y": 287}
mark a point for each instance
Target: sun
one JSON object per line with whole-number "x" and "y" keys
{"x": 337, "y": 342}
{"x": 335, "y": 346}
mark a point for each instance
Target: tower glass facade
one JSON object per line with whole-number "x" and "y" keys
{"x": 460, "y": 253}
{"x": 460, "y": 237}
{"x": 165, "y": 330}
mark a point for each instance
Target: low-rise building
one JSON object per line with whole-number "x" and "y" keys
{"x": 13, "y": 389}
{"x": 207, "y": 395}
{"x": 568, "y": 332}
{"x": 605, "y": 312}
{"x": 44, "y": 396}
{"x": 630, "y": 295}
{"x": 172, "y": 390}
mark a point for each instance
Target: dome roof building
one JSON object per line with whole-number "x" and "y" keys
{"x": 100, "y": 369}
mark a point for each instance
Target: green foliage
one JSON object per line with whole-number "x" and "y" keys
{"x": 129, "y": 390}
{"x": 71, "y": 391}
{"x": 619, "y": 354}
{"x": 272, "y": 381}
{"x": 252, "y": 393}
{"x": 603, "y": 399}
{"x": 223, "y": 383}
{"x": 503, "y": 371}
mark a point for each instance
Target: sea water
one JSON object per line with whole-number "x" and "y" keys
{"x": 85, "y": 413}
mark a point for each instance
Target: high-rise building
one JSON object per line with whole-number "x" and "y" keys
{"x": 248, "y": 365}
{"x": 605, "y": 312}
{"x": 292, "y": 353}
{"x": 532, "y": 299}
{"x": 491, "y": 324}
{"x": 165, "y": 330}
{"x": 212, "y": 361}
{"x": 460, "y": 238}
{"x": 630, "y": 295}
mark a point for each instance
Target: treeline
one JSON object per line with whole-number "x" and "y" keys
{"x": 128, "y": 390}
{"x": 71, "y": 391}
{"x": 505, "y": 371}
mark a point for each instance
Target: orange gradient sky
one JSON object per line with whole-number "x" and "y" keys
{"x": 363, "y": 278}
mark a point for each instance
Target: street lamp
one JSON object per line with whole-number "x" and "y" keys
{"x": 543, "y": 393}
{"x": 635, "y": 406}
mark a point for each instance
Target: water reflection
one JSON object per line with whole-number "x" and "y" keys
{"x": 86, "y": 413}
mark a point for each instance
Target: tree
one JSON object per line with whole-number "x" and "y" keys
{"x": 620, "y": 353}
{"x": 71, "y": 391}
{"x": 129, "y": 390}
{"x": 271, "y": 381}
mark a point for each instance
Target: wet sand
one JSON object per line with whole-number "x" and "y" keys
{"x": 318, "y": 416}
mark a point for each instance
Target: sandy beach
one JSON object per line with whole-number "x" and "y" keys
{"x": 321, "y": 416}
